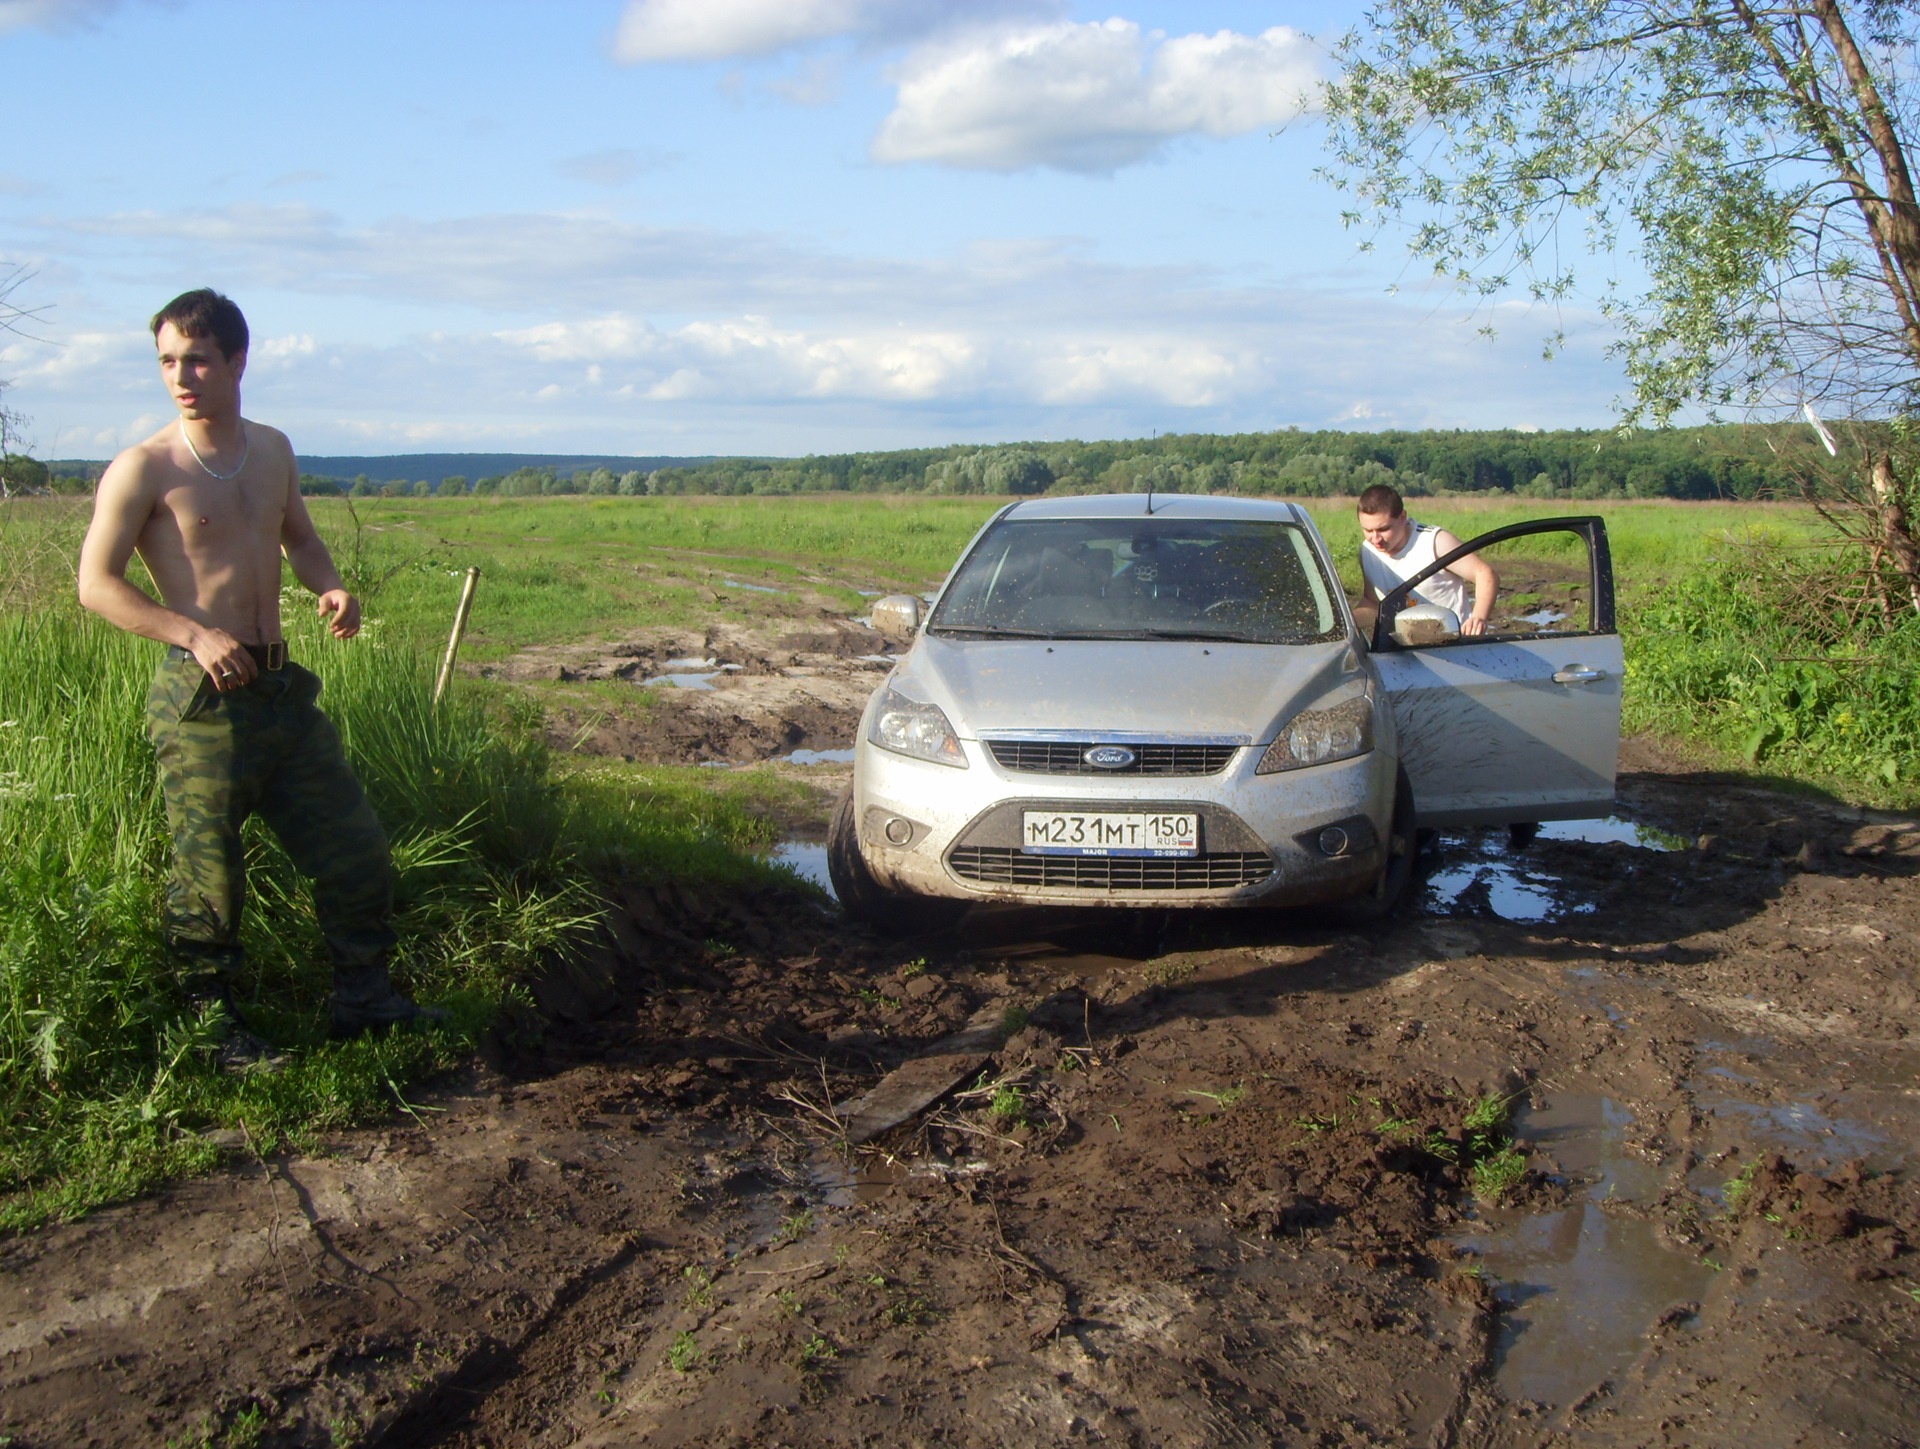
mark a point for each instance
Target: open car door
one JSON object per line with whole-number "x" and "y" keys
{"x": 1523, "y": 722}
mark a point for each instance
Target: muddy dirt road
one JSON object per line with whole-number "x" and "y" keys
{"x": 1205, "y": 1180}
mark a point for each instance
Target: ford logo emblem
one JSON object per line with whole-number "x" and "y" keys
{"x": 1109, "y": 757}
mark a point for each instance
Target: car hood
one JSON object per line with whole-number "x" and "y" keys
{"x": 1155, "y": 688}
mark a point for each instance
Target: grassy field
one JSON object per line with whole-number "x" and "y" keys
{"x": 104, "y": 1086}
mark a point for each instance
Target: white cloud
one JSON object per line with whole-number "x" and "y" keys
{"x": 581, "y": 332}
{"x": 656, "y": 30}
{"x": 1182, "y": 372}
{"x": 751, "y": 356}
{"x": 273, "y": 352}
{"x": 670, "y": 30}
{"x": 51, "y": 14}
{"x": 1089, "y": 97}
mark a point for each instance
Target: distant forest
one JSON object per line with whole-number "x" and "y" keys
{"x": 1725, "y": 461}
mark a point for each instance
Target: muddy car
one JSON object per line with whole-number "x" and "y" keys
{"x": 1138, "y": 700}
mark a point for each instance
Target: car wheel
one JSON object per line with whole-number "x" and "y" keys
{"x": 1389, "y": 888}
{"x": 864, "y": 899}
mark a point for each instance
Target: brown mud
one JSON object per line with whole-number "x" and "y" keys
{"x": 1220, "y": 1182}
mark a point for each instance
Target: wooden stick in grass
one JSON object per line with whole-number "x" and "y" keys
{"x": 459, "y": 629}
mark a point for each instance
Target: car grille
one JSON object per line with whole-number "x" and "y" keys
{"x": 1001, "y": 865}
{"x": 1063, "y": 757}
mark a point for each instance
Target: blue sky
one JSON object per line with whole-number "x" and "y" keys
{"x": 724, "y": 226}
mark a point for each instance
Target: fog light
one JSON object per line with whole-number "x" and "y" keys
{"x": 898, "y": 831}
{"x": 1333, "y": 841}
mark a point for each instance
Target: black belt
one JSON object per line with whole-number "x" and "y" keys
{"x": 272, "y": 658}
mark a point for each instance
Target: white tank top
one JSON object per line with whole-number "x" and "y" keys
{"x": 1387, "y": 571}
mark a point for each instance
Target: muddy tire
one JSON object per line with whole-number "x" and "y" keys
{"x": 1389, "y": 888}
{"x": 864, "y": 899}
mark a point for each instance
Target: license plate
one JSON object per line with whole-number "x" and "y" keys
{"x": 1109, "y": 832}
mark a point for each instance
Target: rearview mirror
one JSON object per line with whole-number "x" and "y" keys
{"x": 897, "y": 615}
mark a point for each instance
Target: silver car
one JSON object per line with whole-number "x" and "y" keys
{"x": 1141, "y": 700}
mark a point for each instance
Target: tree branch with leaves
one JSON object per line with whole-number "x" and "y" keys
{"x": 1739, "y": 173}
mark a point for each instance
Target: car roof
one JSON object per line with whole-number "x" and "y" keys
{"x": 1157, "y": 505}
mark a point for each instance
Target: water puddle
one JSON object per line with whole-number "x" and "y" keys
{"x": 689, "y": 673}
{"x": 1580, "y": 1286}
{"x": 840, "y": 1182}
{"x": 807, "y": 859}
{"x": 1800, "y": 1131}
{"x": 1491, "y": 888}
{"x": 818, "y": 757}
{"x": 1488, "y": 872}
{"x": 1613, "y": 831}
{"x": 755, "y": 588}
{"x": 1540, "y": 618}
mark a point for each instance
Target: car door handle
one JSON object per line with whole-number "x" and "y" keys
{"x": 1578, "y": 674}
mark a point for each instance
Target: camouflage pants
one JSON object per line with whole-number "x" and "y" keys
{"x": 266, "y": 750}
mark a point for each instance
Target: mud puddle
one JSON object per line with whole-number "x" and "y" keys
{"x": 1502, "y": 872}
{"x": 1581, "y": 1286}
{"x": 807, "y": 859}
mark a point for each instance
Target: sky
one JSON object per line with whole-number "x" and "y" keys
{"x": 691, "y": 227}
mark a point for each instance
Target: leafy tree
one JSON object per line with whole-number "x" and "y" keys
{"x": 633, "y": 484}
{"x": 454, "y": 485}
{"x": 21, "y": 474}
{"x": 1017, "y": 470}
{"x": 362, "y": 487}
{"x": 486, "y": 487}
{"x": 525, "y": 483}
{"x": 1755, "y": 156}
{"x": 14, "y": 468}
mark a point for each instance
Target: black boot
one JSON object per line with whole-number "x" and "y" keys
{"x": 365, "y": 999}
{"x": 206, "y": 975}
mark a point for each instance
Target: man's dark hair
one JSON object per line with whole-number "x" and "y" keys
{"x": 1381, "y": 498}
{"x": 205, "y": 313}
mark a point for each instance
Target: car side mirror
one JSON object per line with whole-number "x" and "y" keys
{"x": 1419, "y": 624}
{"x": 897, "y": 615}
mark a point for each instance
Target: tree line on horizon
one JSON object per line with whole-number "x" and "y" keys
{"x": 1714, "y": 462}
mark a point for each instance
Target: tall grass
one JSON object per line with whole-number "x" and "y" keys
{"x": 1760, "y": 653}
{"x": 106, "y": 1083}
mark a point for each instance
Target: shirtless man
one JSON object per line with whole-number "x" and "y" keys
{"x": 1394, "y": 548}
{"x": 211, "y": 502}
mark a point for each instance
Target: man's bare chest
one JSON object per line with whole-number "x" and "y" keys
{"x": 222, "y": 518}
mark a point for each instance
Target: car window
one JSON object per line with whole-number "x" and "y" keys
{"x": 1554, "y": 576}
{"x": 1231, "y": 579}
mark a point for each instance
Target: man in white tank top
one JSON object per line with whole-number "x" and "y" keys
{"x": 1394, "y": 548}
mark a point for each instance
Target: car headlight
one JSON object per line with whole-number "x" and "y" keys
{"x": 1320, "y": 736}
{"x": 908, "y": 727}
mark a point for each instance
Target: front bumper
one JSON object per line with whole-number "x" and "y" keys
{"x": 934, "y": 830}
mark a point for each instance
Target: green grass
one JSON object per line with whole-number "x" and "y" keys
{"x": 574, "y": 568}
{"x": 684, "y": 1353}
{"x": 1769, "y": 656}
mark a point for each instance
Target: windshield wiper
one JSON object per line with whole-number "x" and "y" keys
{"x": 992, "y": 631}
{"x": 1204, "y": 636}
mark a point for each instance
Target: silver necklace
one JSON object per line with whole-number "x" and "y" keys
{"x": 246, "y": 444}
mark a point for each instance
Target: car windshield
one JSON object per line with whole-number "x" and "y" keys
{"x": 1236, "y": 580}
